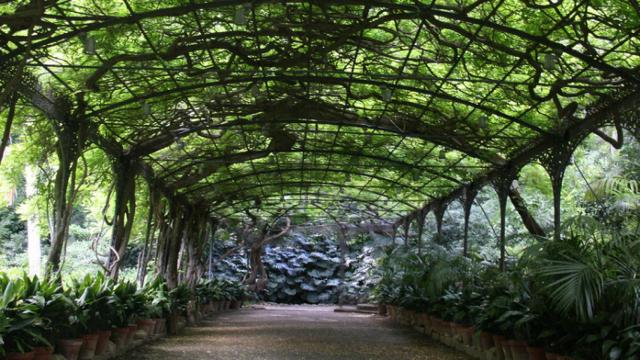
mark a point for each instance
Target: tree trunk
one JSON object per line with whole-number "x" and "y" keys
{"x": 172, "y": 249}
{"x": 154, "y": 207}
{"x": 72, "y": 131}
{"x": 201, "y": 232}
{"x": 123, "y": 214}
{"x": 527, "y": 218}
{"x": 64, "y": 193}
{"x": 258, "y": 279}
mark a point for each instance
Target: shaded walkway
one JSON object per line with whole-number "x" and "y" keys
{"x": 296, "y": 332}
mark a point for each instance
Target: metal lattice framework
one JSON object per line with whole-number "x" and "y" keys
{"x": 385, "y": 105}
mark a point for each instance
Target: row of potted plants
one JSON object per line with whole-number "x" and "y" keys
{"x": 94, "y": 315}
{"x": 482, "y": 344}
{"x": 576, "y": 298}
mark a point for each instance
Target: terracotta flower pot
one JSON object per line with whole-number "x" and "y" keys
{"x": 161, "y": 327}
{"x": 88, "y": 348}
{"x": 426, "y": 320}
{"x": 119, "y": 337}
{"x": 451, "y": 329}
{"x": 147, "y": 325}
{"x": 182, "y": 322}
{"x": 172, "y": 324}
{"x": 536, "y": 353}
{"x": 382, "y": 309}
{"x": 235, "y": 305}
{"x": 103, "y": 341}
{"x": 70, "y": 348}
{"x": 519, "y": 350}
{"x": 466, "y": 333}
{"x": 506, "y": 349}
{"x": 391, "y": 311}
{"x": 43, "y": 353}
{"x": 498, "y": 340}
{"x": 132, "y": 333}
{"x": 486, "y": 340}
{"x": 407, "y": 316}
{"x": 20, "y": 356}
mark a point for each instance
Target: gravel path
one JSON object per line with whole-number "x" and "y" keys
{"x": 296, "y": 332}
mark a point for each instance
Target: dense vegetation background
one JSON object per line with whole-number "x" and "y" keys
{"x": 306, "y": 266}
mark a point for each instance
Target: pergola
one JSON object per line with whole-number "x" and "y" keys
{"x": 394, "y": 107}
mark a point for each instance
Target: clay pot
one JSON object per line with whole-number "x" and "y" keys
{"x": 88, "y": 348}
{"x": 119, "y": 337}
{"x": 182, "y": 322}
{"x": 506, "y": 349}
{"x": 161, "y": 327}
{"x": 204, "y": 308}
{"x": 486, "y": 340}
{"x": 70, "y": 348}
{"x": 235, "y": 304}
{"x": 147, "y": 325}
{"x": 382, "y": 309}
{"x": 499, "y": 340}
{"x": 20, "y": 356}
{"x": 42, "y": 353}
{"x": 451, "y": 329}
{"x": 391, "y": 311}
{"x": 173, "y": 323}
{"x": 132, "y": 333}
{"x": 103, "y": 341}
{"x": 408, "y": 316}
{"x": 466, "y": 332}
{"x": 519, "y": 350}
{"x": 426, "y": 320}
{"x": 536, "y": 353}
{"x": 421, "y": 320}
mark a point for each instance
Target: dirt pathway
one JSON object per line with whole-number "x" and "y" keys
{"x": 296, "y": 332}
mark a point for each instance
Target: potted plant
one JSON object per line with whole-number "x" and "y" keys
{"x": 180, "y": 295}
{"x": 21, "y": 318}
{"x": 124, "y": 305}
{"x": 93, "y": 295}
{"x": 159, "y": 304}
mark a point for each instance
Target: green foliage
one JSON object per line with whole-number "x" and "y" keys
{"x": 34, "y": 312}
{"x": 578, "y": 295}
{"x": 13, "y": 234}
{"x": 159, "y": 300}
{"x": 94, "y": 297}
{"x": 303, "y": 272}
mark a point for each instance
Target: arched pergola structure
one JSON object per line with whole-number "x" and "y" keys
{"x": 222, "y": 106}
